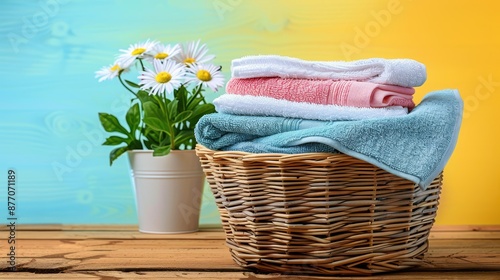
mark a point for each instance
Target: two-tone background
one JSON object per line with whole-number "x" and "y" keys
{"x": 50, "y": 49}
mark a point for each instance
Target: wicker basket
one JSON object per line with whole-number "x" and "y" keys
{"x": 318, "y": 213}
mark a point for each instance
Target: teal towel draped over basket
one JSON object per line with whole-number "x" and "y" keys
{"x": 415, "y": 146}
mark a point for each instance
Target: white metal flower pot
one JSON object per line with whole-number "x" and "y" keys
{"x": 168, "y": 190}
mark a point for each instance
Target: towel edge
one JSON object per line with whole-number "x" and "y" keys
{"x": 451, "y": 145}
{"x": 336, "y": 145}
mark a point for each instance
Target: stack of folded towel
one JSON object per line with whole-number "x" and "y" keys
{"x": 286, "y": 105}
{"x": 273, "y": 85}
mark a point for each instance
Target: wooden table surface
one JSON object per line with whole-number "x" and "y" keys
{"x": 112, "y": 252}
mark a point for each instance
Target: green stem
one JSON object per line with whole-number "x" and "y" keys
{"x": 142, "y": 64}
{"x": 123, "y": 84}
{"x": 172, "y": 138}
{"x": 142, "y": 132}
{"x": 171, "y": 126}
{"x": 160, "y": 100}
{"x": 197, "y": 91}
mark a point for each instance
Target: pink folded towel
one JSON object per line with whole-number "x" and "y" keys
{"x": 326, "y": 92}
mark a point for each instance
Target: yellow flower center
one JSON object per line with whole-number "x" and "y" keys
{"x": 161, "y": 55}
{"x": 115, "y": 68}
{"x": 204, "y": 75}
{"x": 163, "y": 77}
{"x": 138, "y": 51}
{"x": 189, "y": 60}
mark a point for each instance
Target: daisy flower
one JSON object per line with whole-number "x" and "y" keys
{"x": 163, "y": 52}
{"x": 205, "y": 74}
{"x": 194, "y": 53}
{"x": 108, "y": 72}
{"x": 166, "y": 77}
{"x": 138, "y": 50}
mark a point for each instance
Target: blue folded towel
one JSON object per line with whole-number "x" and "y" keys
{"x": 415, "y": 146}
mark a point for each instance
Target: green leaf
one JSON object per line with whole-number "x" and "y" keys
{"x": 204, "y": 109}
{"x": 111, "y": 124}
{"x": 183, "y": 116}
{"x": 193, "y": 103}
{"x": 152, "y": 140}
{"x": 143, "y": 96}
{"x": 172, "y": 110}
{"x": 183, "y": 137}
{"x": 132, "y": 84}
{"x": 152, "y": 136}
{"x": 152, "y": 110}
{"x": 157, "y": 124}
{"x": 135, "y": 145}
{"x": 116, "y": 153}
{"x": 148, "y": 144}
{"x": 196, "y": 96}
{"x": 181, "y": 95}
{"x": 161, "y": 151}
{"x": 133, "y": 118}
{"x": 115, "y": 140}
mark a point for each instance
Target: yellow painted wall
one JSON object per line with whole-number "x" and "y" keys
{"x": 458, "y": 41}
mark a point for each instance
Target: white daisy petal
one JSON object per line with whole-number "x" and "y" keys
{"x": 193, "y": 52}
{"x": 163, "y": 52}
{"x": 108, "y": 72}
{"x": 165, "y": 77}
{"x": 207, "y": 75}
{"x": 138, "y": 50}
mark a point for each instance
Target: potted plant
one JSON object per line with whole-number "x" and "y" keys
{"x": 167, "y": 102}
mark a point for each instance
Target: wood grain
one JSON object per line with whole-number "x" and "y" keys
{"x": 208, "y": 275}
{"x": 73, "y": 252}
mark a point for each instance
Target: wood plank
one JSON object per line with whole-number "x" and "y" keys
{"x": 125, "y": 253}
{"x": 31, "y": 275}
{"x": 204, "y": 234}
{"x": 171, "y": 254}
{"x": 209, "y": 275}
{"x": 208, "y": 235}
{"x": 126, "y": 227}
{"x": 96, "y": 227}
{"x": 464, "y": 235}
{"x": 115, "y": 235}
{"x": 121, "y": 255}
{"x": 436, "y": 228}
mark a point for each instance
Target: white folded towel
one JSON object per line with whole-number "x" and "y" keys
{"x": 400, "y": 72}
{"x": 267, "y": 106}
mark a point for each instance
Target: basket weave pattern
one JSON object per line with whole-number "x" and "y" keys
{"x": 318, "y": 213}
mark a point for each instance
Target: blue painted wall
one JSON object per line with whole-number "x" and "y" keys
{"x": 51, "y": 136}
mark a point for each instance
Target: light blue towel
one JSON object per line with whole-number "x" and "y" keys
{"x": 415, "y": 146}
